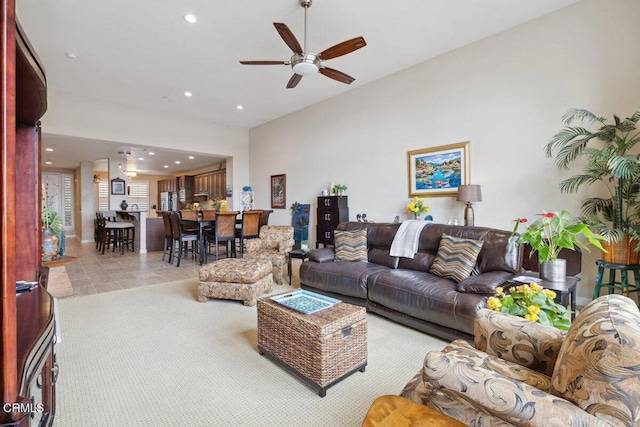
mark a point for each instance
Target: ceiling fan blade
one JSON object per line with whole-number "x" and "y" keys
{"x": 336, "y": 75}
{"x": 264, "y": 62}
{"x": 343, "y": 48}
{"x": 293, "y": 81}
{"x": 288, "y": 37}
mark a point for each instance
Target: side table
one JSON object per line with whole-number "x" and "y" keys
{"x": 299, "y": 254}
{"x": 566, "y": 291}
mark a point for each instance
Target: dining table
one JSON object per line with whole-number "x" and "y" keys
{"x": 202, "y": 225}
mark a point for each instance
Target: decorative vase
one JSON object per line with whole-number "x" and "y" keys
{"x": 416, "y": 215}
{"x": 554, "y": 271}
{"x": 124, "y": 205}
{"x": 49, "y": 245}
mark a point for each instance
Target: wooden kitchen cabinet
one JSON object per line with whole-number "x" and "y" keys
{"x": 185, "y": 188}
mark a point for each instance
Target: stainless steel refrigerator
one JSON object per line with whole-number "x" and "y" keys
{"x": 168, "y": 201}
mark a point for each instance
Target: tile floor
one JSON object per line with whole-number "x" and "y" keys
{"x": 94, "y": 273}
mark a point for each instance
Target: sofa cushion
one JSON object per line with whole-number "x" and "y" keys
{"x": 456, "y": 257}
{"x": 598, "y": 367}
{"x": 379, "y": 238}
{"x": 351, "y": 245}
{"x": 425, "y": 296}
{"x": 322, "y": 255}
{"x": 485, "y": 283}
{"x": 344, "y": 278}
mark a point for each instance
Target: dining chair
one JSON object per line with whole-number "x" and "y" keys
{"x": 168, "y": 236}
{"x": 224, "y": 231}
{"x": 105, "y": 236}
{"x": 182, "y": 237}
{"x": 264, "y": 217}
{"x": 249, "y": 228}
{"x": 189, "y": 215}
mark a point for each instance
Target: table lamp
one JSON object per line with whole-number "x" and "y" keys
{"x": 468, "y": 194}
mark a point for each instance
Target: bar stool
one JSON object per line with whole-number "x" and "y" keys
{"x": 612, "y": 284}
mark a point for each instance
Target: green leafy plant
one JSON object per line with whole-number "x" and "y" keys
{"x": 531, "y": 302}
{"x": 51, "y": 219}
{"x": 553, "y": 231}
{"x": 339, "y": 189}
{"x": 609, "y": 157}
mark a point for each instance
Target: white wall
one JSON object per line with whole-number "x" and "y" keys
{"x": 505, "y": 94}
{"x": 88, "y": 118}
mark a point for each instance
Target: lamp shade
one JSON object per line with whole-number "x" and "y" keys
{"x": 469, "y": 193}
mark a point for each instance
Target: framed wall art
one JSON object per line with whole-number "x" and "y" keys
{"x": 278, "y": 191}
{"x": 438, "y": 171}
{"x": 117, "y": 186}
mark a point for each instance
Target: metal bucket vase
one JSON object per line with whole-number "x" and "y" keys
{"x": 554, "y": 271}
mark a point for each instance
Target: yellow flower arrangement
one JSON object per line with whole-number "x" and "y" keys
{"x": 417, "y": 207}
{"x": 531, "y": 302}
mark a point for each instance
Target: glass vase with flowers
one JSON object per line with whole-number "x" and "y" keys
{"x": 416, "y": 207}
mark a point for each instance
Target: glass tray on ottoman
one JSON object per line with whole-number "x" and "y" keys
{"x": 305, "y": 302}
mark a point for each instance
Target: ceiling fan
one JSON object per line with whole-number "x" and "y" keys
{"x": 306, "y": 63}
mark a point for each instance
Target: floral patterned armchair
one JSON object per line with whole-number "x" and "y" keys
{"x": 274, "y": 243}
{"x": 526, "y": 374}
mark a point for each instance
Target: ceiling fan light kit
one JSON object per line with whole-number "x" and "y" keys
{"x": 305, "y": 63}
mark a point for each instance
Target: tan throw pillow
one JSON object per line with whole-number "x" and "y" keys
{"x": 598, "y": 366}
{"x": 351, "y": 245}
{"x": 456, "y": 257}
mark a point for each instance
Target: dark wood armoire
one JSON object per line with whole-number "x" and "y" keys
{"x": 27, "y": 321}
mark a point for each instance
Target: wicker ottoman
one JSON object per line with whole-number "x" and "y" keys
{"x": 322, "y": 348}
{"x": 235, "y": 278}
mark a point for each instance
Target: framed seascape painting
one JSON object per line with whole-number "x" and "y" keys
{"x": 278, "y": 191}
{"x": 438, "y": 171}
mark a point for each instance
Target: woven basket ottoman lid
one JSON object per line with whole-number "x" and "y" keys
{"x": 235, "y": 270}
{"x": 318, "y": 324}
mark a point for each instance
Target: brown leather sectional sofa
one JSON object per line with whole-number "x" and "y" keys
{"x": 402, "y": 289}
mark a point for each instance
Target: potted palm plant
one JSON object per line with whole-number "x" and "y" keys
{"x": 608, "y": 156}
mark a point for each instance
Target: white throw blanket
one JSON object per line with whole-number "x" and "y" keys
{"x": 405, "y": 242}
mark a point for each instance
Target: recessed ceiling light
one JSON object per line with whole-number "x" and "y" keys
{"x": 188, "y": 94}
{"x": 71, "y": 55}
{"x": 240, "y": 107}
{"x": 191, "y": 157}
{"x": 177, "y": 162}
{"x": 48, "y": 162}
{"x": 48, "y": 149}
{"x": 151, "y": 153}
{"x": 140, "y": 158}
{"x": 190, "y": 18}
{"x": 166, "y": 166}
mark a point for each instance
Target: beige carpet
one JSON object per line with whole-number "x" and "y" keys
{"x": 154, "y": 356}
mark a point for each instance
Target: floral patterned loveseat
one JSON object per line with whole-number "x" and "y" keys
{"x": 526, "y": 374}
